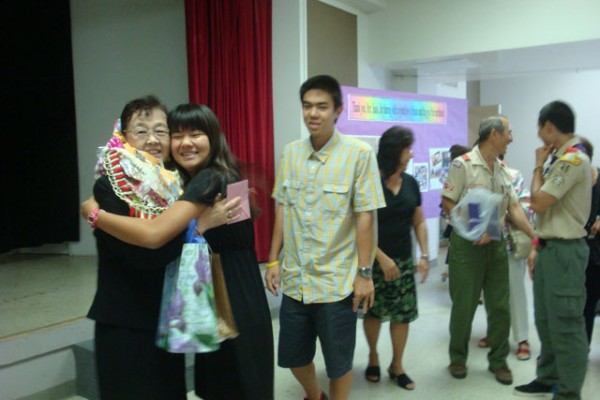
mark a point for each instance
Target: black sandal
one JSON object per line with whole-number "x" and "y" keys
{"x": 373, "y": 373}
{"x": 401, "y": 380}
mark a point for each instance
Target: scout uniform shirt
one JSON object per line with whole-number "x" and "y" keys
{"x": 471, "y": 171}
{"x": 569, "y": 179}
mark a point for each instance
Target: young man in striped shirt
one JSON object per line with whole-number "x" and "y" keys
{"x": 327, "y": 189}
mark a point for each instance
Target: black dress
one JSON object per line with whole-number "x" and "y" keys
{"x": 126, "y": 308}
{"x": 242, "y": 369}
{"x": 396, "y": 300}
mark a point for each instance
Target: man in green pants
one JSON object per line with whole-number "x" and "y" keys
{"x": 561, "y": 197}
{"x": 482, "y": 264}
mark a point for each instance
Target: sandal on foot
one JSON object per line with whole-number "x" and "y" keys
{"x": 373, "y": 373}
{"x": 523, "y": 352}
{"x": 401, "y": 380}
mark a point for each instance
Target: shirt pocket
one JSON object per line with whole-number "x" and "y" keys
{"x": 336, "y": 197}
{"x": 291, "y": 191}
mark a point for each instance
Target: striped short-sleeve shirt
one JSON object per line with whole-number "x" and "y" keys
{"x": 320, "y": 192}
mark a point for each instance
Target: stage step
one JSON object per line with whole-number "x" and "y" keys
{"x": 40, "y": 364}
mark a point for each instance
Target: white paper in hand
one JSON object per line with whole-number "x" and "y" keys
{"x": 240, "y": 189}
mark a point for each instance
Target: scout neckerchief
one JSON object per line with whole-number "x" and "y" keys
{"x": 578, "y": 146}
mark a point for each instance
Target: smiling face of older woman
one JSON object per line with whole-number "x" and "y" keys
{"x": 147, "y": 131}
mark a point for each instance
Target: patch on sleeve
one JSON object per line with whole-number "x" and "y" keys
{"x": 448, "y": 187}
{"x": 558, "y": 180}
{"x": 571, "y": 158}
{"x": 457, "y": 163}
{"x": 564, "y": 167}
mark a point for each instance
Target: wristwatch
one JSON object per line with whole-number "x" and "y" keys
{"x": 366, "y": 272}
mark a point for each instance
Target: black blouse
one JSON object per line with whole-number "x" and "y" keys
{"x": 395, "y": 220}
{"x": 203, "y": 188}
{"x": 130, "y": 278}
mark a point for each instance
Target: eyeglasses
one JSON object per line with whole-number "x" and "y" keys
{"x": 160, "y": 133}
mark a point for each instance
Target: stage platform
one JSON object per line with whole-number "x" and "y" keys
{"x": 46, "y": 341}
{"x": 43, "y": 303}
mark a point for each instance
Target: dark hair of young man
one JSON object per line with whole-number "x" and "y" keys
{"x": 326, "y": 83}
{"x": 560, "y": 114}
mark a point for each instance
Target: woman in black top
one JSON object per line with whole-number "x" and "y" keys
{"x": 130, "y": 278}
{"x": 243, "y": 367}
{"x": 393, "y": 270}
{"x": 592, "y": 282}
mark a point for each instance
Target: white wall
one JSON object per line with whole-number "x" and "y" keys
{"x": 415, "y": 30}
{"x": 521, "y": 100}
{"x": 369, "y": 75}
{"x": 289, "y": 71}
{"x": 121, "y": 50}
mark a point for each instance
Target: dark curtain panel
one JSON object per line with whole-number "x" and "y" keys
{"x": 39, "y": 203}
{"x": 229, "y": 69}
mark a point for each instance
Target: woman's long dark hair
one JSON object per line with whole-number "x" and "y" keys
{"x": 391, "y": 145}
{"x": 195, "y": 116}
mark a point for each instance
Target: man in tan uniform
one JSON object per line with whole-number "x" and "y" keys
{"x": 561, "y": 197}
{"x": 482, "y": 264}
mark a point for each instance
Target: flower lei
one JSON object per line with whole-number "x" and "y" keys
{"x": 137, "y": 177}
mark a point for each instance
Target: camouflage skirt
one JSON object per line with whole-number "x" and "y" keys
{"x": 395, "y": 301}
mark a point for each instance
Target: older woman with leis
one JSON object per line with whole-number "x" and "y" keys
{"x": 132, "y": 181}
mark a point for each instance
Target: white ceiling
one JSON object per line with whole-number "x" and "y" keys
{"x": 564, "y": 57}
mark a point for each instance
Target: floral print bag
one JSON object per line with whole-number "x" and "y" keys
{"x": 189, "y": 319}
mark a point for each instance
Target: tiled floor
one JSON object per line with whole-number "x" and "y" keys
{"x": 426, "y": 359}
{"x": 35, "y": 293}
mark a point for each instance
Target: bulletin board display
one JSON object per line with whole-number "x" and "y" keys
{"x": 436, "y": 122}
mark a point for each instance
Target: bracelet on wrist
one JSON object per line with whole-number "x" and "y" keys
{"x": 535, "y": 242}
{"x": 425, "y": 256}
{"x": 92, "y": 218}
{"x": 540, "y": 167}
{"x": 272, "y": 264}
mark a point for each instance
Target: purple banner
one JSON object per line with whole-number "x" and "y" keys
{"x": 437, "y": 123}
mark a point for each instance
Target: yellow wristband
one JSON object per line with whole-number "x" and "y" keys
{"x": 272, "y": 264}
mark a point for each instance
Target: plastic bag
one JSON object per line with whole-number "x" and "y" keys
{"x": 188, "y": 320}
{"x": 476, "y": 214}
{"x": 195, "y": 314}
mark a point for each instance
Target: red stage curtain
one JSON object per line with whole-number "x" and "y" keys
{"x": 229, "y": 69}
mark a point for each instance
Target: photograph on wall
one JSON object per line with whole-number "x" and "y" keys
{"x": 421, "y": 174}
{"x": 439, "y": 164}
{"x": 410, "y": 167}
{"x": 446, "y": 160}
